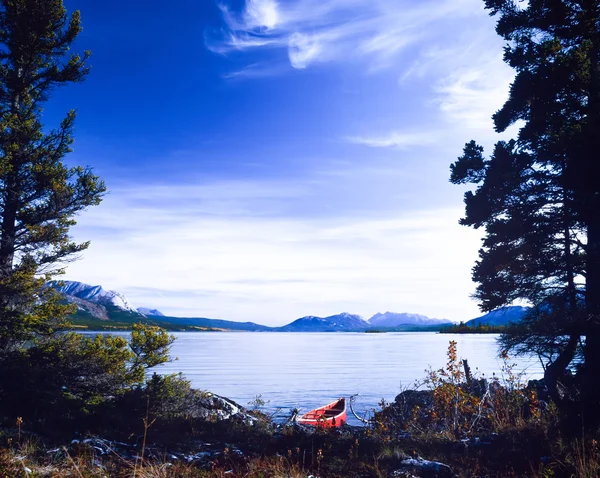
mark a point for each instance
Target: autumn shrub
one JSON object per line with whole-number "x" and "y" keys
{"x": 510, "y": 404}
{"x": 455, "y": 404}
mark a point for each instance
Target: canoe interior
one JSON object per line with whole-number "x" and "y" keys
{"x": 334, "y": 412}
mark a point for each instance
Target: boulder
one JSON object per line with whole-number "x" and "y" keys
{"x": 419, "y": 467}
{"x": 405, "y": 403}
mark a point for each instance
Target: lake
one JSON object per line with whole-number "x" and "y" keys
{"x": 306, "y": 370}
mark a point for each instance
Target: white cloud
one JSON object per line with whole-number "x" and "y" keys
{"x": 471, "y": 96}
{"x": 303, "y": 50}
{"x": 219, "y": 253}
{"x": 256, "y": 70}
{"x": 452, "y": 57}
{"x": 470, "y": 81}
{"x": 314, "y": 30}
{"x": 463, "y": 82}
{"x": 395, "y": 140}
{"x": 261, "y": 13}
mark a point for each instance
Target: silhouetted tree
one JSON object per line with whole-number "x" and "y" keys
{"x": 539, "y": 195}
{"x": 39, "y": 195}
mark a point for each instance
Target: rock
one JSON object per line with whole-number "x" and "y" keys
{"x": 405, "y": 403}
{"x": 420, "y": 467}
{"x": 540, "y": 389}
{"x": 413, "y": 398}
{"x": 213, "y": 406}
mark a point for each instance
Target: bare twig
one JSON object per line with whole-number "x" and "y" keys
{"x": 480, "y": 408}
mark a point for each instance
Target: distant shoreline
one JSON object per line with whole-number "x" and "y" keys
{"x": 78, "y": 328}
{"x": 478, "y": 329}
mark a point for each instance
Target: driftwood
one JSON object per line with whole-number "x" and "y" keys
{"x": 468, "y": 376}
{"x": 351, "y": 401}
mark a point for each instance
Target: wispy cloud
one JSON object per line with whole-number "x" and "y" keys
{"x": 304, "y": 49}
{"x": 470, "y": 79}
{"x": 314, "y": 31}
{"x": 395, "y": 140}
{"x": 256, "y": 70}
{"x": 261, "y": 14}
{"x": 462, "y": 82}
{"x": 462, "y": 76}
{"x": 470, "y": 97}
{"x": 270, "y": 268}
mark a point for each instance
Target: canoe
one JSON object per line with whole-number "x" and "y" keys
{"x": 328, "y": 416}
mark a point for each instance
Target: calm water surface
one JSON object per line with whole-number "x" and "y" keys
{"x": 306, "y": 370}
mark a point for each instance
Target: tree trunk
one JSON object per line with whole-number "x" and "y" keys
{"x": 591, "y": 385}
{"x": 556, "y": 370}
{"x": 591, "y": 179}
{"x": 8, "y": 228}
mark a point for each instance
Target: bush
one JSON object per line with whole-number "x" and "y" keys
{"x": 457, "y": 405}
{"x": 68, "y": 376}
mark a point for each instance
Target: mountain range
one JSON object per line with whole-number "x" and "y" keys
{"x": 501, "y": 316}
{"x": 333, "y": 323}
{"x": 393, "y": 319}
{"x": 98, "y": 308}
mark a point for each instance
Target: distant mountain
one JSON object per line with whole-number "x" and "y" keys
{"x": 93, "y": 293}
{"x": 393, "y": 319}
{"x": 501, "y": 316}
{"x": 334, "y": 323}
{"x": 146, "y": 311}
{"x": 98, "y": 308}
{"x": 96, "y": 303}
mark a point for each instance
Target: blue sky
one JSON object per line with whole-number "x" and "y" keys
{"x": 269, "y": 159}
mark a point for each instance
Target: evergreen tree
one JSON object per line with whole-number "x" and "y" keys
{"x": 539, "y": 195}
{"x": 39, "y": 195}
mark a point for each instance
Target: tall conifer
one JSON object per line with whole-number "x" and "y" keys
{"x": 539, "y": 200}
{"x": 39, "y": 194}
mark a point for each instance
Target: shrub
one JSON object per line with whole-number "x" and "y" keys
{"x": 69, "y": 375}
{"x": 458, "y": 405}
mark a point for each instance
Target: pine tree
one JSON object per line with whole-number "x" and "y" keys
{"x": 39, "y": 194}
{"x": 539, "y": 195}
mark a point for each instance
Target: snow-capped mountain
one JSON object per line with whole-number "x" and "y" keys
{"x": 94, "y": 293}
{"x": 339, "y": 322}
{"x": 393, "y": 319}
{"x": 147, "y": 311}
{"x": 109, "y": 305}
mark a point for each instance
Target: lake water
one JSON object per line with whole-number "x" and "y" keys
{"x": 306, "y": 370}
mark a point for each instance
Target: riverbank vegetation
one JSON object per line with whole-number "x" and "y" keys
{"x": 462, "y": 328}
{"x": 456, "y": 424}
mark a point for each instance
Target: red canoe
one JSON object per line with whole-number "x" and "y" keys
{"x": 332, "y": 415}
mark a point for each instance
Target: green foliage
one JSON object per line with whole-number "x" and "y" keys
{"x": 150, "y": 346}
{"x": 63, "y": 377}
{"x": 258, "y": 402}
{"x": 166, "y": 398}
{"x": 39, "y": 194}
